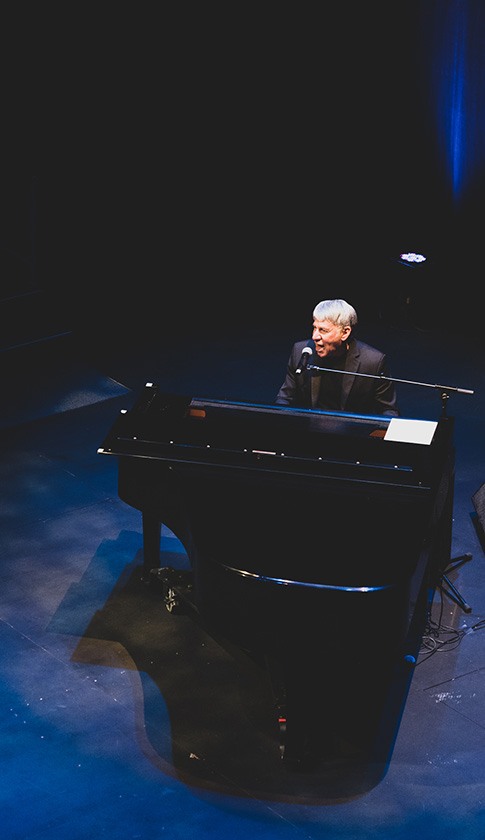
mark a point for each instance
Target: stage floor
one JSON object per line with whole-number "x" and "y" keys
{"x": 124, "y": 720}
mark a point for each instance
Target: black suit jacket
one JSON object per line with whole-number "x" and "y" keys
{"x": 359, "y": 395}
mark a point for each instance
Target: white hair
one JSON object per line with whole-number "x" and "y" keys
{"x": 337, "y": 311}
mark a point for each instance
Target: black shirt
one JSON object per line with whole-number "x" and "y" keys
{"x": 330, "y": 383}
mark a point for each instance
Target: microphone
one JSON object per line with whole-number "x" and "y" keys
{"x": 305, "y": 355}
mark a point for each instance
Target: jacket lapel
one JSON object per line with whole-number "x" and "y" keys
{"x": 315, "y": 387}
{"x": 351, "y": 365}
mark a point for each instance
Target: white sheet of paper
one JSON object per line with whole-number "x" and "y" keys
{"x": 411, "y": 431}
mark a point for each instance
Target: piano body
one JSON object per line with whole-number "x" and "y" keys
{"x": 314, "y": 542}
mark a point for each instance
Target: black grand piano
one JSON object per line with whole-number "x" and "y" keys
{"x": 314, "y": 541}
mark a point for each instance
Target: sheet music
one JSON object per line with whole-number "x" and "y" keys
{"x": 404, "y": 430}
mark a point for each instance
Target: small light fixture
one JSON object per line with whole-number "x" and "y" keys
{"x": 411, "y": 258}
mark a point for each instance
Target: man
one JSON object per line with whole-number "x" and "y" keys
{"x": 334, "y": 348}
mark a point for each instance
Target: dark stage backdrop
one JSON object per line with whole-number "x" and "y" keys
{"x": 238, "y": 164}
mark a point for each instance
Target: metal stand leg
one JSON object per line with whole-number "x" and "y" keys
{"x": 447, "y": 586}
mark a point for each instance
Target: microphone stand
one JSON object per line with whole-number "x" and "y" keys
{"x": 446, "y": 390}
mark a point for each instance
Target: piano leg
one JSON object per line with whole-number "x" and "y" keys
{"x": 152, "y": 530}
{"x": 305, "y": 718}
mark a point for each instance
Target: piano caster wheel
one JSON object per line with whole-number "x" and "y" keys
{"x": 176, "y": 587}
{"x": 172, "y": 601}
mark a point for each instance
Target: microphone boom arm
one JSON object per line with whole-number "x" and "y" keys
{"x": 445, "y": 389}
{"x": 393, "y": 379}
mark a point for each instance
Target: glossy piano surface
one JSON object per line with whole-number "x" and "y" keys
{"x": 332, "y": 500}
{"x": 311, "y": 539}
{"x": 250, "y": 436}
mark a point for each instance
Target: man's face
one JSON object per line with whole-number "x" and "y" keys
{"x": 329, "y": 338}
